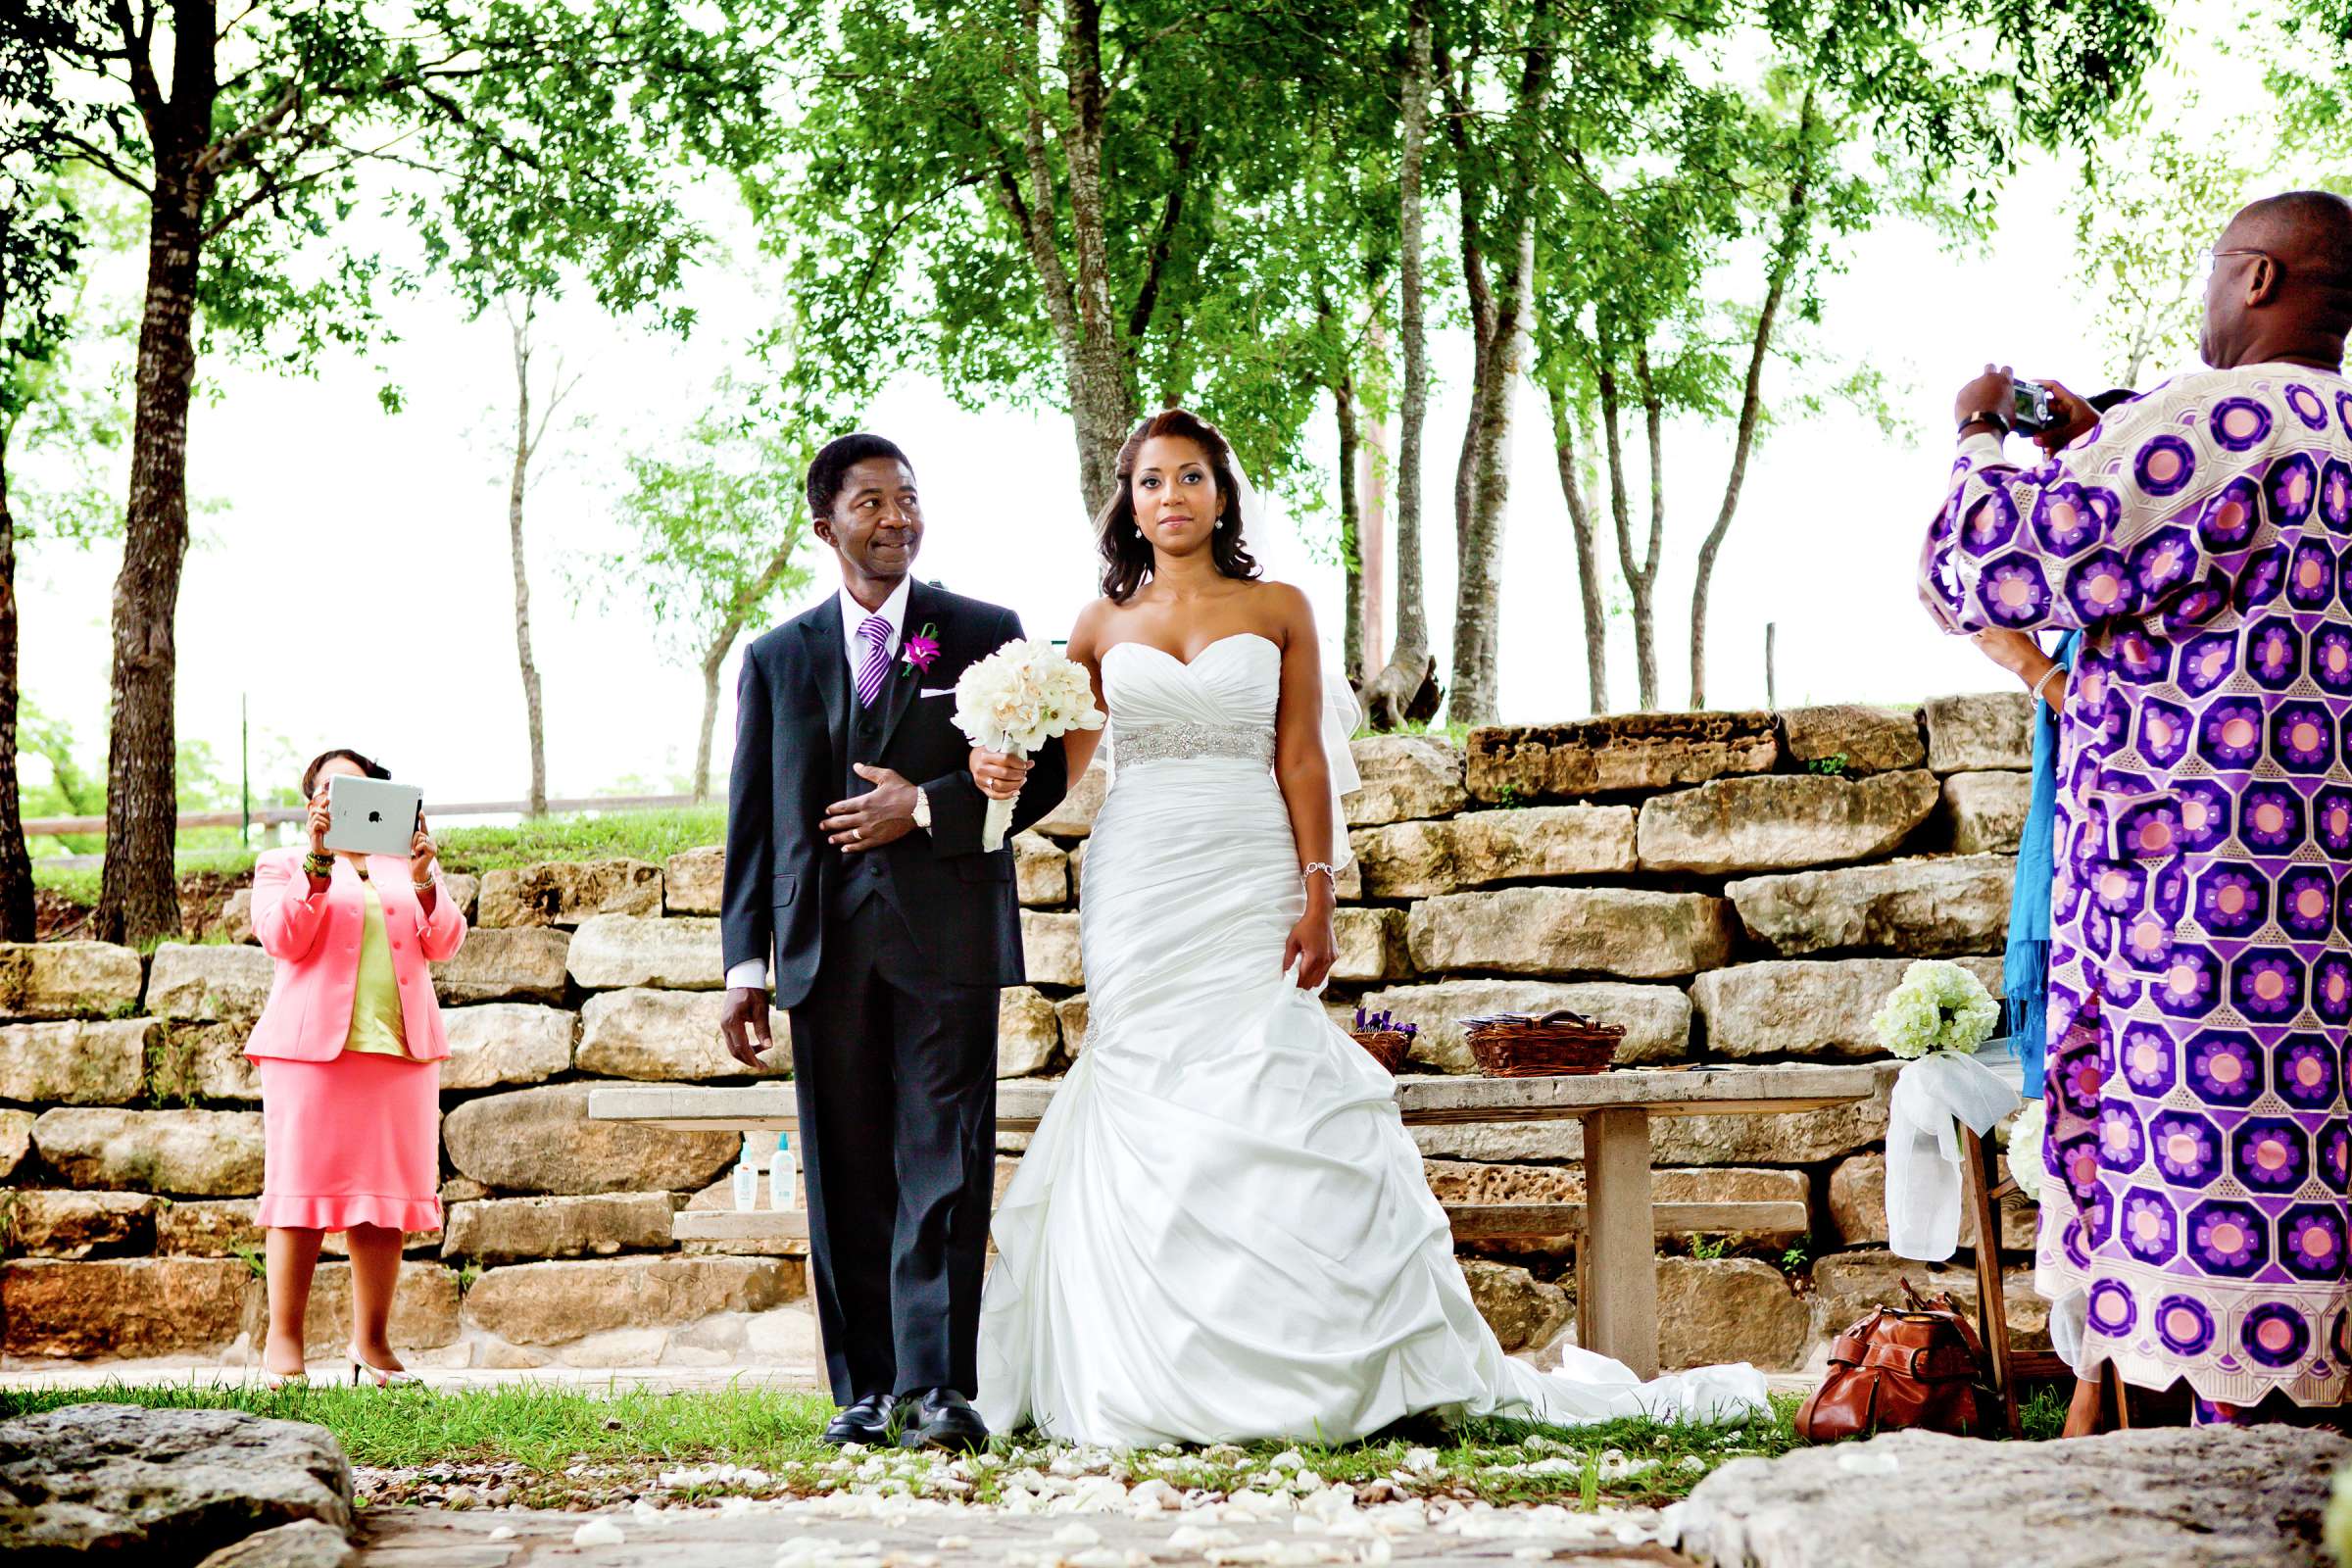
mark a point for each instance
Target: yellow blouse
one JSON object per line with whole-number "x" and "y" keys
{"x": 377, "y": 1025}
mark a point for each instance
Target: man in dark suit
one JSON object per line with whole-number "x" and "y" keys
{"x": 891, "y": 933}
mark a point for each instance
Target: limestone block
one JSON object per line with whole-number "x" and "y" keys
{"x": 1454, "y": 1180}
{"x": 1407, "y": 778}
{"x": 68, "y": 979}
{"x": 192, "y": 1062}
{"x": 1981, "y": 730}
{"x": 55, "y": 1224}
{"x": 1635, "y": 933}
{"x": 660, "y": 1036}
{"x": 541, "y": 1141}
{"x": 693, "y": 881}
{"x": 221, "y": 1227}
{"x": 550, "y": 1303}
{"x": 1847, "y": 1284}
{"x": 1854, "y": 739}
{"x": 565, "y": 893}
{"x": 1075, "y": 817}
{"x": 1717, "y": 1309}
{"x": 1520, "y": 1308}
{"x": 1072, "y": 1012}
{"x": 1050, "y": 946}
{"x": 525, "y": 965}
{"x": 1935, "y": 907}
{"x": 1656, "y": 1018}
{"x": 1041, "y": 872}
{"x": 1417, "y": 859}
{"x": 236, "y": 916}
{"x": 505, "y": 1043}
{"x": 465, "y": 889}
{"x": 209, "y": 983}
{"x": 73, "y": 1061}
{"x": 609, "y": 951}
{"x": 1625, "y": 752}
{"x": 198, "y": 1154}
{"x": 16, "y": 1141}
{"x": 1805, "y": 1009}
{"x": 1783, "y": 822}
{"x": 521, "y": 1230}
{"x": 1372, "y": 945}
{"x": 1857, "y": 1205}
{"x": 1985, "y": 813}
{"x": 1028, "y": 1032}
{"x": 125, "y": 1306}
{"x": 305, "y": 1543}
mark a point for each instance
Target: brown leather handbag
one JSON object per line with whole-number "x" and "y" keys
{"x": 1901, "y": 1367}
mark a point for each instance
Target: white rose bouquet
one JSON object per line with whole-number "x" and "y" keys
{"x": 1939, "y": 1006}
{"x": 1015, "y": 699}
{"x": 2026, "y": 1135}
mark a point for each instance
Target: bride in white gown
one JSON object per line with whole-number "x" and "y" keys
{"x": 1221, "y": 1230}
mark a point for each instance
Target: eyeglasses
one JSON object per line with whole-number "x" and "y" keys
{"x": 2209, "y": 254}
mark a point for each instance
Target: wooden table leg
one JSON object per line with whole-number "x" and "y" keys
{"x": 1617, "y": 1301}
{"x": 1993, "y": 1305}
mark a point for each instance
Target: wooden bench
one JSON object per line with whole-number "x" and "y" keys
{"x": 1615, "y": 1227}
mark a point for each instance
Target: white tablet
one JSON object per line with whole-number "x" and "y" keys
{"x": 371, "y": 816}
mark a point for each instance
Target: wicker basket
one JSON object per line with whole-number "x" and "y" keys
{"x": 1388, "y": 1047}
{"x": 1516, "y": 1046}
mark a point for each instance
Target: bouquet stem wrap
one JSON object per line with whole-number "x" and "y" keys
{"x": 1015, "y": 700}
{"x": 998, "y": 821}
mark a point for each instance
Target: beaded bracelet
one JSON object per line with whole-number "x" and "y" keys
{"x": 1324, "y": 867}
{"x": 317, "y": 864}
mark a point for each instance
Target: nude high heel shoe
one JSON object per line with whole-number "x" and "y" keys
{"x": 361, "y": 1371}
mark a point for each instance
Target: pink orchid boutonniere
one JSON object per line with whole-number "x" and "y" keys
{"x": 921, "y": 650}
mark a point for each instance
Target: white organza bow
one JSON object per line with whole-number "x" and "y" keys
{"x": 1923, "y": 1148}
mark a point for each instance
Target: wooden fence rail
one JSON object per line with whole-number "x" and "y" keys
{"x": 269, "y": 816}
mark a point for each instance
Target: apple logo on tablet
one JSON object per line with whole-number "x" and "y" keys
{"x": 375, "y": 817}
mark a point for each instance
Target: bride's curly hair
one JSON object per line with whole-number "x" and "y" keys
{"x": 1126, "y": 554}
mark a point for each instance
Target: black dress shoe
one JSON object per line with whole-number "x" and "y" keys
{"x": 872, "y": 1421}
{"x": 941, "y": 1418}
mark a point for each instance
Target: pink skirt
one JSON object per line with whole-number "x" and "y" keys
{"x": 355, "y": 1139}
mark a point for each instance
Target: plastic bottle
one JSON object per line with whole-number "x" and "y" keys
{"x": 783, "y": 1175}
{"x": 747, "y": 1184}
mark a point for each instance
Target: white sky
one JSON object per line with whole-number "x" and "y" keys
{"x": 354, "y": 587}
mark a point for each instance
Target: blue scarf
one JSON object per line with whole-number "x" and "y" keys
{"x": 2026, "y": 968}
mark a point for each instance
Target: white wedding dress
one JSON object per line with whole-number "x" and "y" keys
{"x": 1221, "y": 1230}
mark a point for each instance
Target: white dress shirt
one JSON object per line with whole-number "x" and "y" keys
{"x": 753, "y": 972}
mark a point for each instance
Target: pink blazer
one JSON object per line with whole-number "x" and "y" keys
{"x": 316, "y": 941}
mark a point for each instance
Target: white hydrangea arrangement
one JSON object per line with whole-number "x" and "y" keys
{"x": 1939, "y": 1006}
{"x": 2025, "y": 1136}
{"x": 1015, "y": 699}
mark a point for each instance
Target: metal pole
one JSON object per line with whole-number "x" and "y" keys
{"x": 244, "y": 779}
{"x": 1772, "y": 701}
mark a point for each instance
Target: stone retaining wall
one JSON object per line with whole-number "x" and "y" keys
{"x": 1730, "y": 887}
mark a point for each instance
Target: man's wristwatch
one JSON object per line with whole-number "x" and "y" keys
{"x": 922, "y": 810}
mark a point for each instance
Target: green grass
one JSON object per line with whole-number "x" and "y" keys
{"x": 577, "y": 1446}
{"x": 653, "y": 836}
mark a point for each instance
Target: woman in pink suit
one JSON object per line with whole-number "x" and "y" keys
{"x": 349, "y": 1050}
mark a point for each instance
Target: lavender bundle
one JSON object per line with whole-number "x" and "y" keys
{"x": 1383, "y": 1023}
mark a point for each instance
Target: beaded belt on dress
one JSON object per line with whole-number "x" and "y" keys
{"x": 1153, "y": 742}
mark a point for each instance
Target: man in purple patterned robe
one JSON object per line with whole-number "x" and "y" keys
{"x": 2201, "y": 950}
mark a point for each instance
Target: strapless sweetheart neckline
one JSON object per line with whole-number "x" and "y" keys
{"x": 1207, "y": 648}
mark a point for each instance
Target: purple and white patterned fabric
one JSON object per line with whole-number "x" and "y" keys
{"x": 2201, "y": 947}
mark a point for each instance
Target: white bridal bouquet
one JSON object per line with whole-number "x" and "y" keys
{"x": 1015, "y": 699}
{"x": 1939, "y": 1006}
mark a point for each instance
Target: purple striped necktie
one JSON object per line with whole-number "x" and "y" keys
{"x": 874, "y": 668}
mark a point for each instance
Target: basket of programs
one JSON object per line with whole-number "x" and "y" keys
{"x": 1514, "y": 1044}
{"x": 1383, "y": 1039}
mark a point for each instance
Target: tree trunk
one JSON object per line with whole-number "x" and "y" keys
{"x": 1639, "y": 577}
{"x": 515, "y": 485}
{"x": 1102, "y": 395}
{"x": 1352, "y": 531}
{"x": 1409, "y": 665}
{"x": 16, "y": 863}
{"x": 714, "y": 658}
{"x": 1372, "y": 470}
{"x": 138, "y": 897}
{"x": 1588, "y": 551}
{"x": 1795, "y": 232}
{"x": 1486, "y": 452}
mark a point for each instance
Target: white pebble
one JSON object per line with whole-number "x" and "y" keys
{"x": 503, "y": 1532}
{"x": 598, "y": 1533}
{"x": 955, "y": 1543}
{"x": 1289, "y": 1459}
{"x": 1077, "y": 1536}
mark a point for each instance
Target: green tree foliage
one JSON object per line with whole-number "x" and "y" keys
{"x": 717, "y": 520}
{"x": 532, "y": 137}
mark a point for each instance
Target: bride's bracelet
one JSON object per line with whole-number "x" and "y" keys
{"x": 1324, "y": 867}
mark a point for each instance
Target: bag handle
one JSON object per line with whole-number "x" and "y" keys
{"x": 1944, "y": 1307}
